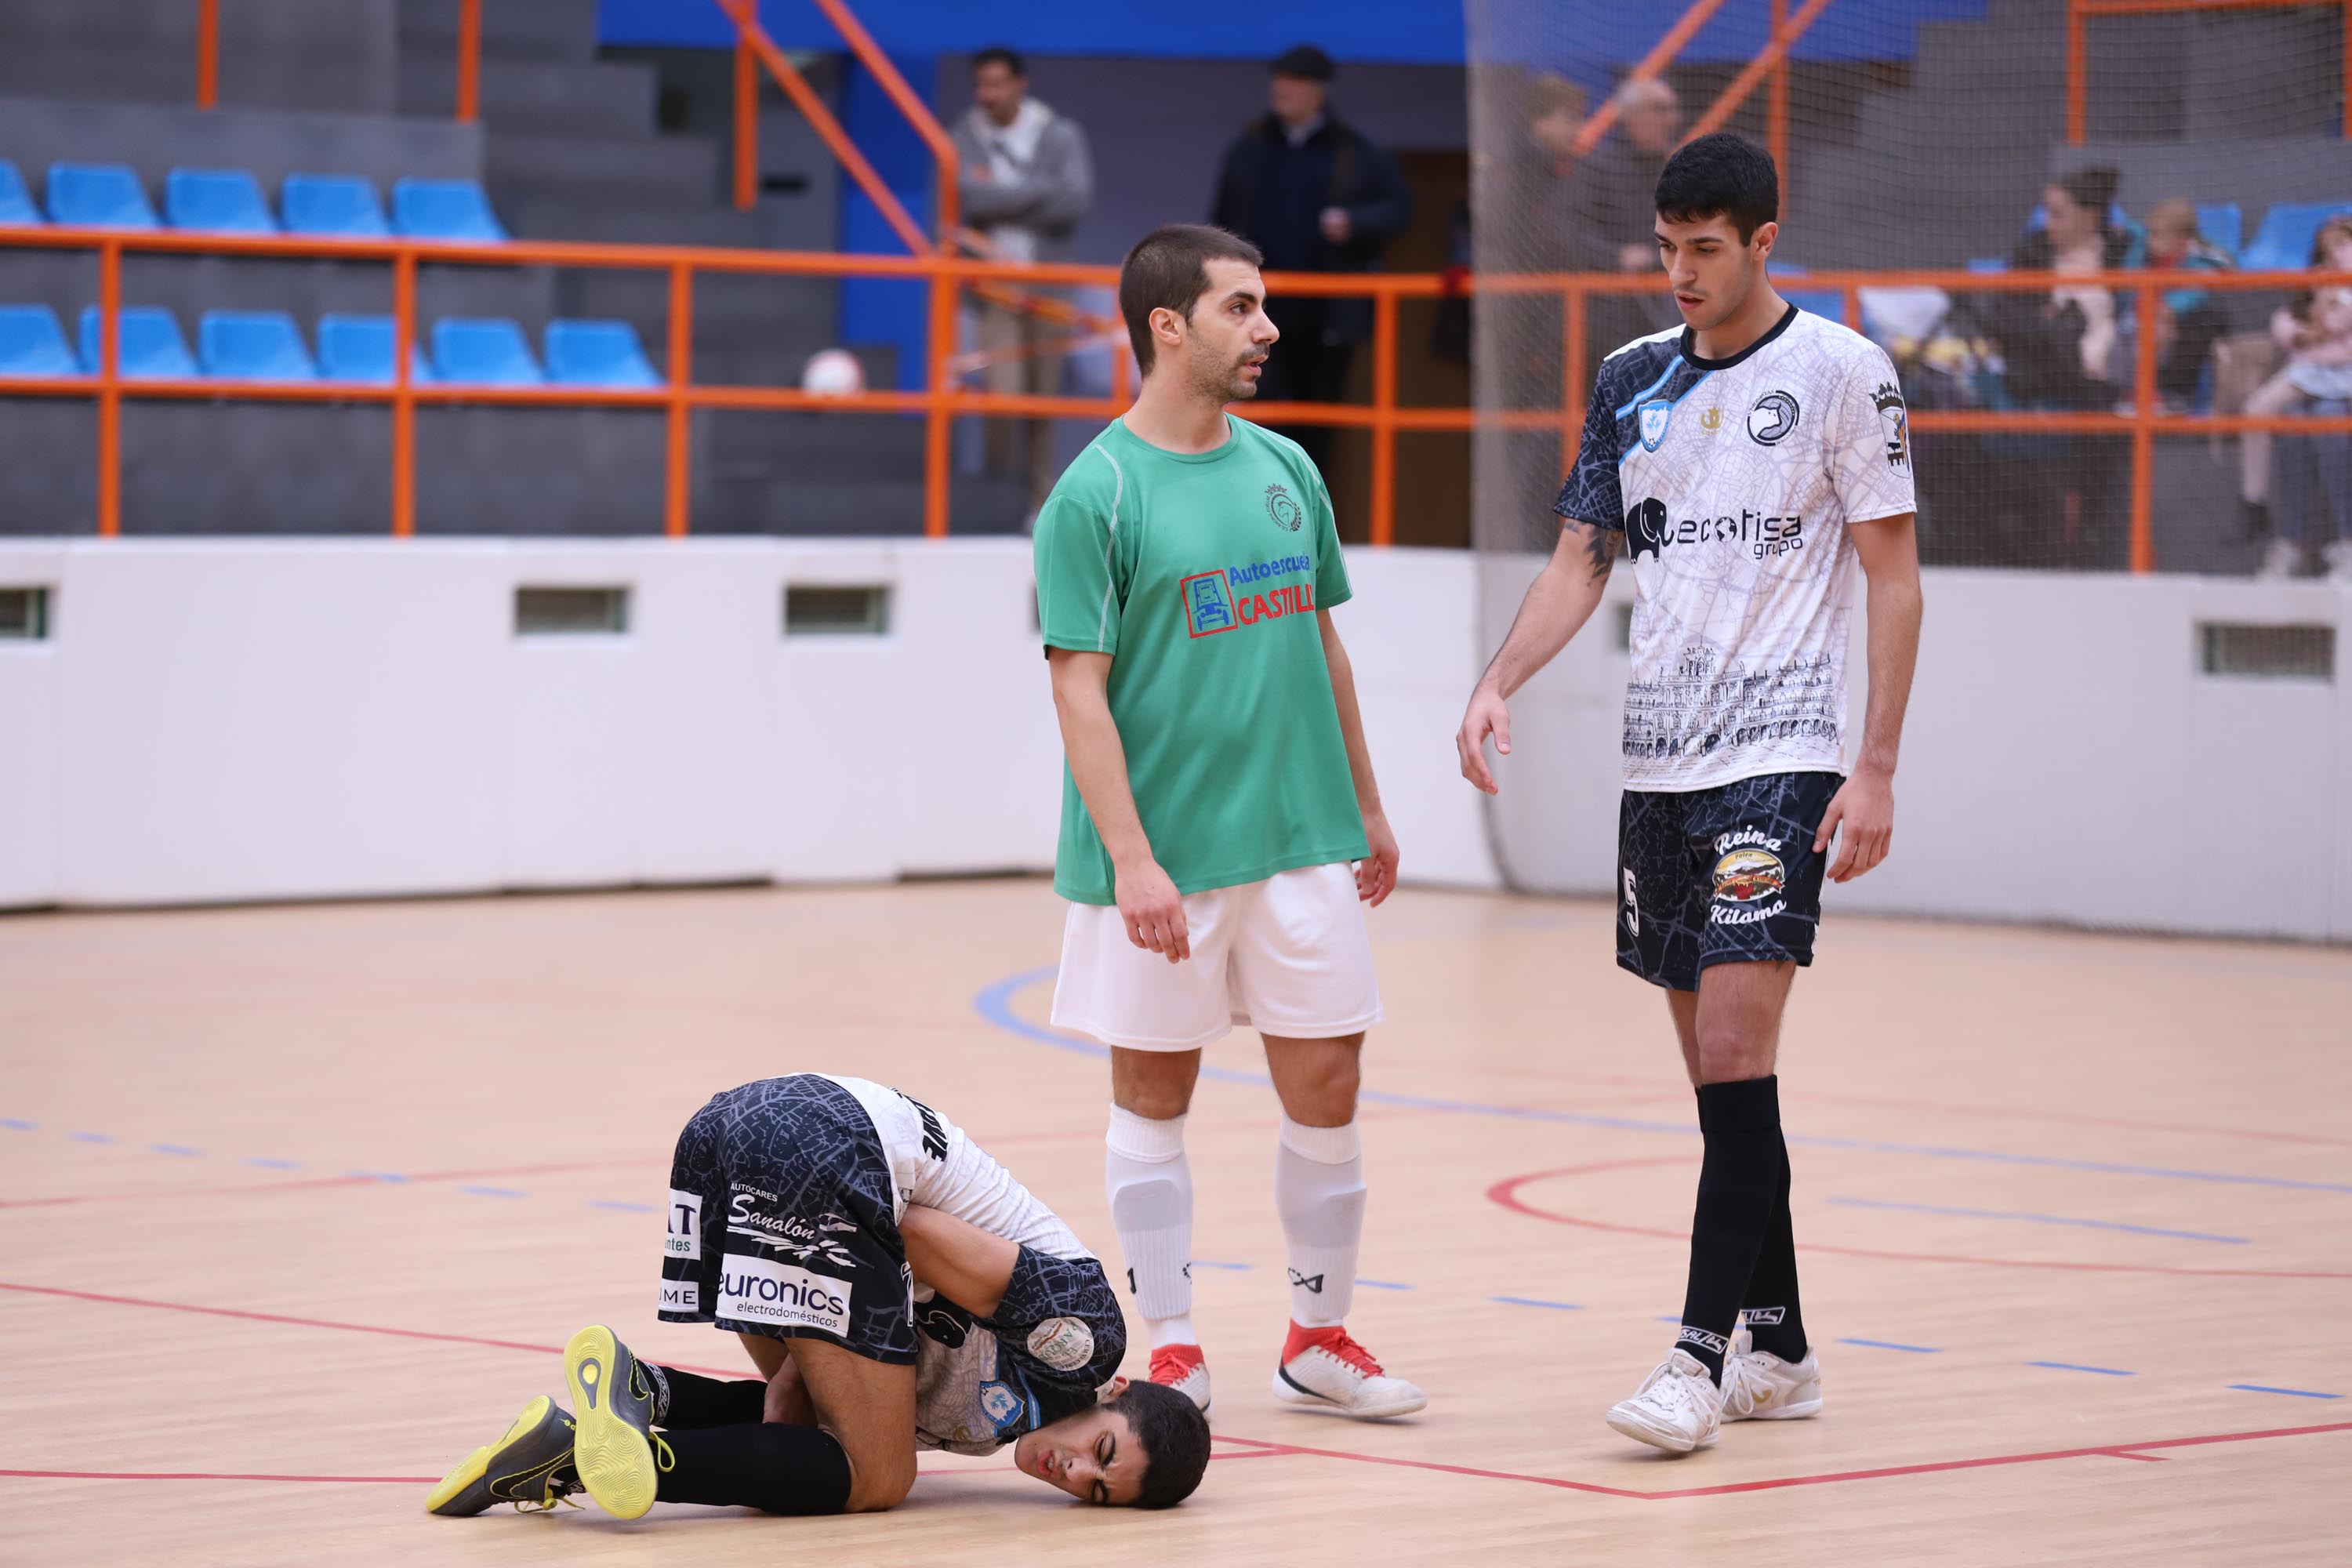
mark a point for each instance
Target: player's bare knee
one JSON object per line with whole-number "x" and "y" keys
{"x": 1155, "y": 1085}
{"x": 1735, "y": 1050}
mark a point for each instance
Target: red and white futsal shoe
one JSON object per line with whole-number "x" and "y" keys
{"x": 1182, "y": 1368}
{"x": 1759, "y": 1387}
{"x": 1323, "y": 1369}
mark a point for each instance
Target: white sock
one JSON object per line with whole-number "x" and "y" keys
{"x": 1319, "y": 1189}
{"x": 1151, "y": 1188}
{"x": 1178, "y": 1330}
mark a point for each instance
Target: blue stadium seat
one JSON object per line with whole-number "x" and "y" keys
{"x": 33, "y": 342}
{"x": 344, "y": 205}
{"x": 16, "y": 208}
{"x": 2283, "y": 241}
{"x": 445, "y": 209}
{"x": 216, "y": 200}
{"x": 597, "y": 353}
{"x": 99, "y": 195}
{"x": 1988, "y": 264}
{"x": 2220, "y": 224}
{"x": 149, "y": 346}
{"x": 253, "y": 345}
{"x": 359, "y": 348}
{"x": 483, "y": 351}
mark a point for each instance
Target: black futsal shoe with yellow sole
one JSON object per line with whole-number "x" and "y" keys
{"x": 615, "y": 1449}
{"x": 530, "y": 1466}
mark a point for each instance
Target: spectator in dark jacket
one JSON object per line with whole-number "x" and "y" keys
{"x": 1316, "y": 195}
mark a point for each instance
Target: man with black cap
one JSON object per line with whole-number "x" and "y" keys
{"x": 1315, "y": 194}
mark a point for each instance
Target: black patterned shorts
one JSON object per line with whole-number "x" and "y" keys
{"x": 780, "y": 1221}
{"x": 1719, "y": 876}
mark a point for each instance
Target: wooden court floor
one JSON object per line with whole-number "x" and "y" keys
{"x": 297, "y": 1203}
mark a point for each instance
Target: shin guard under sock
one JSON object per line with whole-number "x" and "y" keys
{"x": 766, "y": 1466}
{"x": 687, "y": 1402}
{"x": 1770, "y": 1309}
{"x": 1739, "y": 1178}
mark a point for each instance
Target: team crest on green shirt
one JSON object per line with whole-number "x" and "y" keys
{"x": 1283, "y": 509}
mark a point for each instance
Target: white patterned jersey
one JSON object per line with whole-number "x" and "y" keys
{"x": 1734, "y": 481}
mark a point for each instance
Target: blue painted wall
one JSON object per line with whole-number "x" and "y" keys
{"x": 1410, "y": 32}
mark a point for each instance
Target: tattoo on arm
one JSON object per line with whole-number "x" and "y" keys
{"x": 1600, "y": 548}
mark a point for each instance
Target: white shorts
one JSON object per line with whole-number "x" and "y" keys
{"x": 1288, "y": 956}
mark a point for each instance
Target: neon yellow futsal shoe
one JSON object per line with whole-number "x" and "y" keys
{"x": 619, "y": 1456}
{"x": 530, "y": 1466}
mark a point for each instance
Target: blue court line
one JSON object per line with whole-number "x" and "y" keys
{"x": 2038, "y": 1220}
{"x": 2077, "y": 1366}
{"x": 1891, "y": 1345}
{"x": 377, "y": 1175}
{"x": 1532, "y": 1302}
{"x": 13, "y": 1124}
{"x": 1213, "y": 1263}
{"x": 495, "y": 1192}
{"x": 2298, "y": 1392}
{"x": 91, "y": 1137}
{"x": 1385, "y": 1285}
{"x": 180, "y": 1148}
{"x": 267, "y": 1163}
{"x": 995, "y": 1004}
{"x": 626, "y": 1208}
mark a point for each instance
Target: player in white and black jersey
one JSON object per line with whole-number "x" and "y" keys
{"x": 1746, "y": 461}
{"x": 897, "y": 1290}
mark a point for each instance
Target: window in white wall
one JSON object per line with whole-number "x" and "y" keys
{"x": 571, "y": 612}
{"x": 24, "y": 614}
{"x": 833, "y": 610}
{"x": 2275, "y": 653}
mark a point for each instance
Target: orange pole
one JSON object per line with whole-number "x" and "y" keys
{"x": 2077, "y": 70}
{"x": 1660, "y": 56}
{"x": 1571, "y": 374}
{"x": 1775, "y": 52}
{"x": 937, "y": 421}
{"x": 1385, "y": 397}
{"x": 747, "y": 126}
{"x": 403, "y": 396}
{"x": 1851, "y": 297}
{"x": 469, "y": 60}
{"x": 109, "y": 391}
{"x": 1776, "y": 106}
{"x": 2143, "y": 499}
{"x": 207, "y": 53}
{"x": 677, "y": 474}
{"x": 1122, "y": 374}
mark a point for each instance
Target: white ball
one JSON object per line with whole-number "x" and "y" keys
{"x": 832, "y": 373}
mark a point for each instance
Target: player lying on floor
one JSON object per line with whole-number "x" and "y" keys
{"x": 897, "y": 1288}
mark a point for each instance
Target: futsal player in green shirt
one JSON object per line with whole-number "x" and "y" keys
{"x": 1220, "y": 827}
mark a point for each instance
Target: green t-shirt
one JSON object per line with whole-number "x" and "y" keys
{"x": 1201, "y": 574}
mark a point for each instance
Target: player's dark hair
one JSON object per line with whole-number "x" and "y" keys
{"x": 1175, "y": 1435}
{"x": 998, "y": 54}
{"x": 1721, "y": 175}
{"x": 1169, "y": 270}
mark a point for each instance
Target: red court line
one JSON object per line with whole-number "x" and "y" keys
{"x": 1506, "y": 1193}
{"x": 2111, "y": 1450}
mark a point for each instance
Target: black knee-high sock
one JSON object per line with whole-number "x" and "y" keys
{"x": 1770, "y": 1310}
{"x": 1736, "y": 1181}
{"x": 686, "y": 1401}
{"x": 769, "y": 1466}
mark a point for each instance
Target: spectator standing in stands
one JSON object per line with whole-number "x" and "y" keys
{"x": 1028, "y": 180}
{"x": 1315, "y": 194}
{"x": 2059, "y": 351}
{"x": 2316, "y": 333}
{"x": 1614, "y": 206}
{"x": 2189, "y": 321}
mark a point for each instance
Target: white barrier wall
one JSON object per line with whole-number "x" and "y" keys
{"x": 230, "y": 720}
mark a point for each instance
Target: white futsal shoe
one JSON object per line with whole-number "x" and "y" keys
{"x": 1324, "y": 1369}
{"x": 1676, "y": 1409}
{"x": 1759, "y": 1387}
{"x": 1182, "y": 1368}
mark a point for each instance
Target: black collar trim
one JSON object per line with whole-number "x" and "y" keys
{"x": 1691, "y": 353}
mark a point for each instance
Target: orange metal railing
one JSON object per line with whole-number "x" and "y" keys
{"x": 944, "y": 401}
{"x": 2079, "y": 14}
